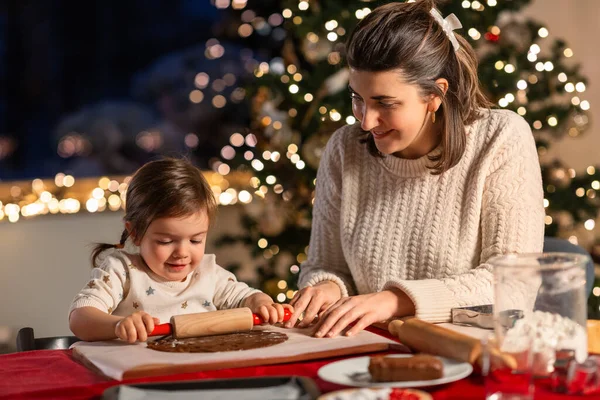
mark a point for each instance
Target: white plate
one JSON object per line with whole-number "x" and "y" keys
{"x": 355, "y": 372}
{"x": 374, "y": 393}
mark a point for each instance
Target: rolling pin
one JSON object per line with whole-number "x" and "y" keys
{"x": 425, "y": 337}
{"x": 211, "y": 323}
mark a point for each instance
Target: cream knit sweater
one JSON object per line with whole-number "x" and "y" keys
{"x": 380, "y": 223}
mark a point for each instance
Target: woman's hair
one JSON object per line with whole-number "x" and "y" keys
{"x": 168, "y": 187}
{"x": 406, "y": 37}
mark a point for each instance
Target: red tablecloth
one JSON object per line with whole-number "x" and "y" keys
{"x": 54, "y": 374}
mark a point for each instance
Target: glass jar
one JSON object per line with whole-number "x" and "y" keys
{"x": 540, "y": 301}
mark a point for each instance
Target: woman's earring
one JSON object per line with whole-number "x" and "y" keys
{"x": 433, "y": 117}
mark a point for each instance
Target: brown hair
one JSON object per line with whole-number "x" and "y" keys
{"x": 168, "y": 187}
{"x": 406, "y": 37}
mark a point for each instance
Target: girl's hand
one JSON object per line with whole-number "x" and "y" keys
{"x": 135, "y": 327}
{"x": 312, "y": 301}
{"x": 262, "y": 305}
{"x": 363, "y": 310}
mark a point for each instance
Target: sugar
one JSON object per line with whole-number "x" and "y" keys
{"x": 546, "y": 332}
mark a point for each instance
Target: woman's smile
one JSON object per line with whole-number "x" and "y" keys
{"x": 377, "y": 135}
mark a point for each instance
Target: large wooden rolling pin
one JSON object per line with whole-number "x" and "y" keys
{"x": 211, "y": 323}
{"x": 425, "y": 337}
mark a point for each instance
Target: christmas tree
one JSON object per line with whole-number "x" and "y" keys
{"x": 299, "y": 99}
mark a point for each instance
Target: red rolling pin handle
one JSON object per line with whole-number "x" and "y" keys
{"x": 161, "y": 330}
{"x": 258, "y": 320}
{"x": 166, "y": 329}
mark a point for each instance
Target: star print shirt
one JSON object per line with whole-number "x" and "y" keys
{"x": 122, "y": 284}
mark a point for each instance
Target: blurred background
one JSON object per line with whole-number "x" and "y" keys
{"x": 102, "y": 87}
{"x": 250, "y": 91}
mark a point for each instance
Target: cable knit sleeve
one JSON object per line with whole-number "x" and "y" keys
{"x": 512, "y": 221}
{"x": 325, "y": 256}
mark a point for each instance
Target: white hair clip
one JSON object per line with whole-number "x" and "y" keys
{"x": 448, "y": 24}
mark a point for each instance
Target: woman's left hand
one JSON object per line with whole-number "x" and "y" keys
{"x": 363, "y": 310}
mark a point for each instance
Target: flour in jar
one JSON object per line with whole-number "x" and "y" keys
{"x": 546, "y": 332}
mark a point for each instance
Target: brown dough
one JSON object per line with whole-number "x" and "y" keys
{"x": 421, "y": 367}
{"x": 229, "y": 342}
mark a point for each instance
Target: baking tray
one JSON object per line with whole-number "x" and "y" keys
{"x": 258, "y": 388}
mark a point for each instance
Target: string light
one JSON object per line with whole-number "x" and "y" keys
{"x": 589, "y": 224}
{"x": 477, "y": 6}
{"x": 96, "y": 195}
{"x": 263, "y": 243}
{"x": 303, "y": 5}
{"x": 238, "y": 4}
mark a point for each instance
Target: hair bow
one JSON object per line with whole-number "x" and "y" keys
{"x": 448, "y": 24}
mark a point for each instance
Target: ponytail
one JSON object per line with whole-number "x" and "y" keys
{"x": 460, "y": 105}
{"x": 469, "y": 89}
{"x": 100, "y": 247}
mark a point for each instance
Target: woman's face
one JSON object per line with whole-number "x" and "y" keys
{"x": 395, "y": 113}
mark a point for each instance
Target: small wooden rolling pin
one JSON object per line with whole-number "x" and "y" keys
{"x": 425, "y": 337}
{"x": 211, "y": 323}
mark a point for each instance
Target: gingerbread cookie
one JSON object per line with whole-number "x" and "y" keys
{"x": 415, "y": 368}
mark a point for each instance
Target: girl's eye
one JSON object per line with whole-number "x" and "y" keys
{"x": 196, "y": 241}
{"x": 355, "y": 97}
{"x": 164, "y": 242}
{"x": 387, "y": 105}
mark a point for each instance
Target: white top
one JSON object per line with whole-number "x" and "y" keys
{"x": 388, "y": 222}
{"x": 122, "y": 284}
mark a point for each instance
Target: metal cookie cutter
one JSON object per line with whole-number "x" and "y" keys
{"x": 479, "y": 316}
{"x": 483, "y": 316}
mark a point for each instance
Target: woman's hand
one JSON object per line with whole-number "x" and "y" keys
{"x": 363, "y": 310}
{"x": 263, "y": 305}
{"x": 135, "y": 327}
{"x": 312, "y": 301}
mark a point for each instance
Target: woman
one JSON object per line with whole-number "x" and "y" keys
{"x": 414, "y": 199}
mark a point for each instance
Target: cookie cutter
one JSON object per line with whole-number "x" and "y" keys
{"x": 483, "y": 316}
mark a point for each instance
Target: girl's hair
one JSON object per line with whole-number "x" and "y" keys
{"x": 168, "y": 187}
{"x": 406, "y": 37}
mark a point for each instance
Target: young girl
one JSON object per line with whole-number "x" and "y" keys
{"x": 169, "y": 207}
{"x": 414, "y": 199}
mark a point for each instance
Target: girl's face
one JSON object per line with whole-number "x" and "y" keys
{"x": 174, "y": 247}
{"x": 394, "y": 112}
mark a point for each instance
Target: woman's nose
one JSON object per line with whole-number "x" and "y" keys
{"x": 368, "y": 120}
